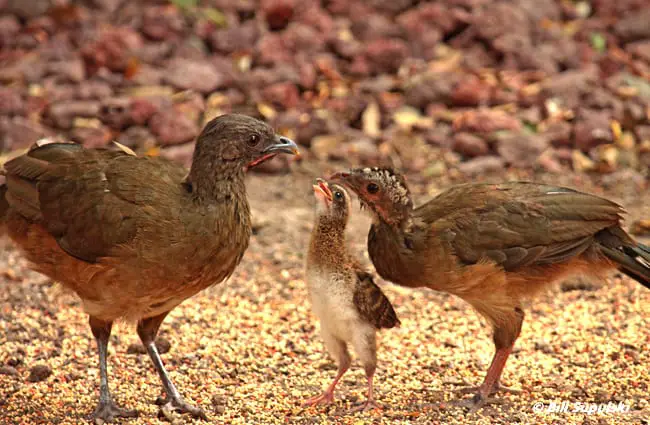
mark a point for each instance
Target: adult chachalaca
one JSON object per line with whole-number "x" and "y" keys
{"x": 493, "y": 245}
{"x": 132, "y": 236}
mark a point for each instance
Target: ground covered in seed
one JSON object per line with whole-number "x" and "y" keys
{"x": 248, "y": 350}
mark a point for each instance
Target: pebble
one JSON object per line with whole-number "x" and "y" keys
{"x": 39, "y": 373}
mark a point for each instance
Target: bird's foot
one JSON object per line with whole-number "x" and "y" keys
{"x": 496, "y": 388}
{"x": 477, "y": 402}
{"x": 106, "y": 411}
{"x": 366, "y": 406}
{"x": 169, "y": 406}
{"x": 324, "y": 398}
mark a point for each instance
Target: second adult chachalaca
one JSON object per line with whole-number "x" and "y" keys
{"x": 132, "y": 236}
{"x": 493, "y": 245}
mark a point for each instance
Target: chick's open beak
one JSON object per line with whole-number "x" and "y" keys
{"x": 322, "y": 191}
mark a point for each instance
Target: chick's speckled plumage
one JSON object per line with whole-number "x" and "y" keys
{"x": 349, "y": 305}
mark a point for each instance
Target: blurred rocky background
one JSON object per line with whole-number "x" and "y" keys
{"x": 454, "y": 87}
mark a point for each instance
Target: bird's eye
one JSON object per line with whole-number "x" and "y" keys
{"x": 254, "y": 139}
{"x": 372, "y": 188}
{"x": 338, "y": 195}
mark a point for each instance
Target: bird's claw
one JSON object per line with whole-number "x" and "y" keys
{"x": 324, "y": 398}
{"x": 477, "y": 402}
{"x": 364, "y": 407}
{"x": 496, "y": 388}
{"x": 177, "y": 405}
{"x": 106, "y": 411}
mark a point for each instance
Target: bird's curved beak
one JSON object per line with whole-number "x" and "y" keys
{"x": 346, "y": 178}
{"x": 282, "y": 145}
{"x": 322, "y": 191}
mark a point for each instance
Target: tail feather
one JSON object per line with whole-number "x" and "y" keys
{"x": 634, "y": 261}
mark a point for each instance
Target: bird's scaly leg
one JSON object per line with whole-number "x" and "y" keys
{"x": 173, "y": 402}
{"x": 106, "y": 409}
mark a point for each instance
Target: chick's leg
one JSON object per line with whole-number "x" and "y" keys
{"x": 147, "y": 331}
{"x": 506, "y": 333}
{"x": 365, "y": 345}
{"x": 339, "y": 350}
{"x": 106, "y": 409}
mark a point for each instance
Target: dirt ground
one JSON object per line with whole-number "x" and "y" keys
{"x": 248, "y": 350}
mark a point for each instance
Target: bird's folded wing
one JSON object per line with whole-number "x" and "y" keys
{"x": 519, "y": 224}
{"x": 372, "y": 304}
{"x": 86, "y": 199}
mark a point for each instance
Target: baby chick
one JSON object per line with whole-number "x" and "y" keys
{"x": 350, "y": 306}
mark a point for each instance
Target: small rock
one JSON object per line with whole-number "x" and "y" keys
{"x": 115, "y": 49}
{"x": 278, "y": 13}
{"x": 386, "y": 55}
{"x": 11, "y": 102}
{"x": 116, "y": 112}
{"x": 422, "y": 91}
{"x": 91, "y": 137}
{"x": 470, "y": 91}
{"x": 271, "y": 49}
{"x": 72, "y": 70}
{"x": 9, "y": 371}
{"x": 136, "y": 137}
{"x": 634, "y": 26}
{"x": 591, "y": 129}
{"x": 39, "y": 373}
{"x": 92, "y": 89}
{"x": 570, "y": 85}
{"x": 282, "y": 95}
{"x": 373, "y": 27}
{"x": 141, "y": 110}
{"x": 20, "y": 133}
{"x": 521, "y": 150}
{"x": 558, "y": 133}
{"x": 544, "y": 347}
{"x": 63, "y": 114}
{"x": 187, "y": 74}
{"x": 162, "y": 22}
{"x": 640, "y": 49}
{"x": 486, "y": 121}
{"x": 238, "y": 38}
{"x": 470, "y": 145}
{"x": 9, "y": 27}
{"x": 28, "y": 8}
{"x": 219, "y": 403}
{"x": 482, "y": 165}
{"x": 172, "y": 128}
{"x": 360, "y": 150}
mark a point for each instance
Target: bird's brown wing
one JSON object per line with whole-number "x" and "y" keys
{"x": 518, "y": 224}
{"x": 372, "y": 304}
{"x": 88, "y": 200}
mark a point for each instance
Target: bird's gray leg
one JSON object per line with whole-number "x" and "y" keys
{"x": 147, "y": 331}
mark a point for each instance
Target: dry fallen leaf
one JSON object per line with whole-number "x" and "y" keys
{"x": 371, "y": 120}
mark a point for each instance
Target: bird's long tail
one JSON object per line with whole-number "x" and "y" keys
{"x": 632, "y": 258}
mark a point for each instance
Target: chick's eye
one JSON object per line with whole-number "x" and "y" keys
{"x": 338, "y": 196}
{"x": 372, "y": 188}
{"x": 253, "y": 139}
